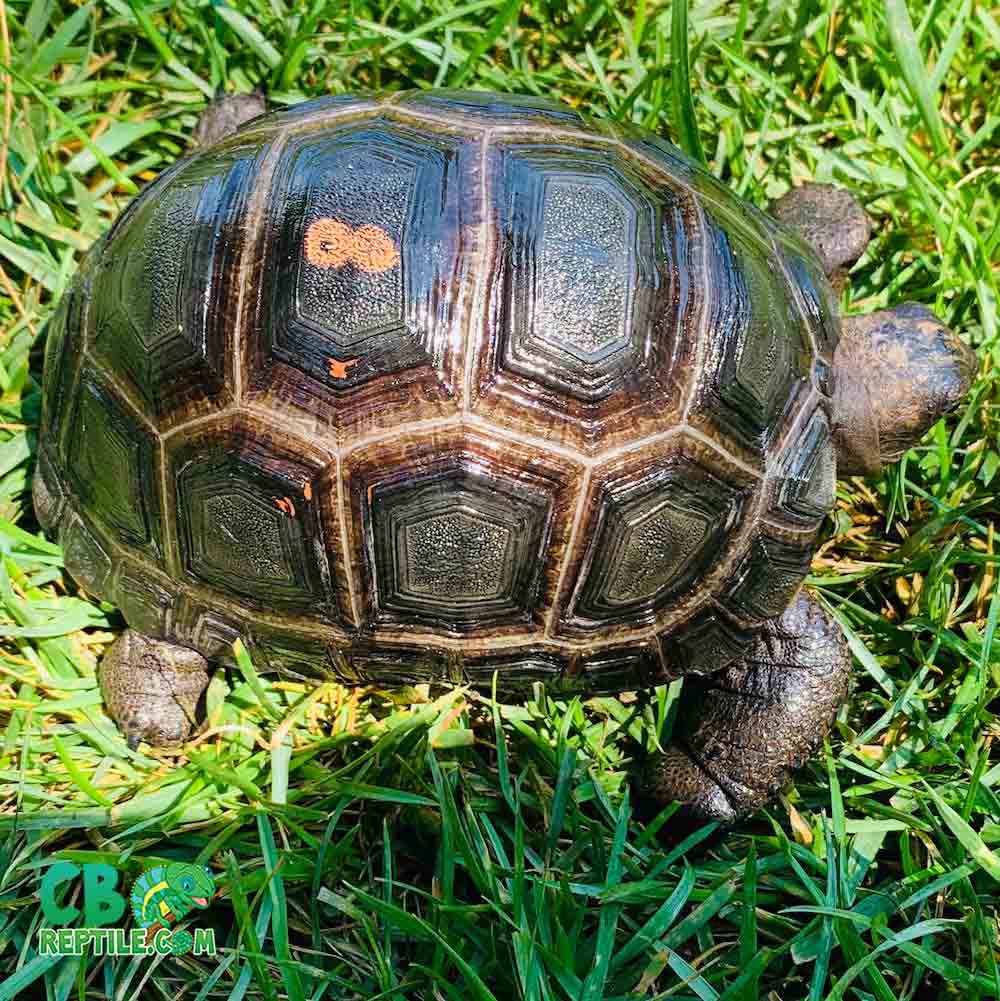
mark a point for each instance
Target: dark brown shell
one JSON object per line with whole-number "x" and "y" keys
{"x": 434, "y": 384}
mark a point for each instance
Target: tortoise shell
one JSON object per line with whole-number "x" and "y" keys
{"x": 425, "y": 385}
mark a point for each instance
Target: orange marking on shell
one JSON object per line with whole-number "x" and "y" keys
{"x": 370, "y": 489}
{"x": 374, "y": 249}
{"x": 307, "y": 490}
{"x": 284, "y": 504}
{"x": 329, "y": 243}
{"x": 338, "y": 369}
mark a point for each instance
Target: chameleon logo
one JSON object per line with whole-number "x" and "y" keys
{"x": 164, "y": 894}
{"x": 160, "y": 897}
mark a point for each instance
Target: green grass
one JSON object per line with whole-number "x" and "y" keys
{"x": 375, "y": 844}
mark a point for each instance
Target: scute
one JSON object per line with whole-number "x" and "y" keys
{"x": 487, "y": 108}
{"x": 707, "y": 641}
{"x": 457, "y": 532}
{"x": 580, "y": 238}
{"x": 660, "y": 523}
{"x": 165, "y": 286}
{"x": 598, "y": 360}
{"x": 760, "y": 359}
{"x": 111, "y": 466}
{"x": 143, "y": 601}
{"x": 767, "y": 578}
{"x": 808, "y": 484}
{"x": 244, "y": 520}
{"x": 457, "y": 547}
{"x": 365, "y": 231}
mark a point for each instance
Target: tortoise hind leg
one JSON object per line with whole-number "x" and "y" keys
{"x": 225, "y": 114}
{"x": 152, "y": 688}
{"x": 741, "y": 731}
{"x": 830, "y": 219}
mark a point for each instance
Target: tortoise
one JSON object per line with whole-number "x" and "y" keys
{"x": 443, "y": 386}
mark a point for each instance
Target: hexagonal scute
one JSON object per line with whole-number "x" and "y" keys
{"x": 165, "y": 297}
{"x": 111, "y": 465}
{"x": 590, "y": 315}
{"x": 246, "y": 519}
{"x": 368, "y": 223}
{"x": 655, "y": 526}
{"x": 574, "y": 329}
{"x": 457, "y": 547}
{"x": 760, "y": 355}
{"x": 458, "y": 532}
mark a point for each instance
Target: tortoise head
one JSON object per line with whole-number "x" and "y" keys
{"x": 190, "y": 885}
{"x": 895, "y": 372}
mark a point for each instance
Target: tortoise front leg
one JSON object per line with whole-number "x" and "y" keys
{"x": 741, "y": 731}
{"x": 152, "y": 688}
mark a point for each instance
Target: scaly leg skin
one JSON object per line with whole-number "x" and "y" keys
{"x": 831, "y": 220}
{"x": 151, "y": 688}
{"x": 741, "y": 731}
{"x": 225, "y": 115}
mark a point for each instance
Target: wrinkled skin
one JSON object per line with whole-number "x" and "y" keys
{"x": 896, "y": 372}
{"x": 830, "y": 220}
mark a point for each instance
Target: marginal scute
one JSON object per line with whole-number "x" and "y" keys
{"x": 487, "y": 108}
{"x": 708, "y": 641}
{"x": 215, "y": 634}
{"x": 356, "y": 101}
{"x": 144, "y": 603}
{"x": 619, "y": 669}
{"x": 806, "y": 481}
{"x": 815, "y": 294}
{"x": 165, "y": 295}
{"x": 111, "y": 465}
{"x": 767, "y": 578}
{"x": 516, "y": 672}
{"x": 298, "y": 657}
{"x": 391, "y": 666}
{"x": 63, "y": 346}
{"x": 85, "y": 556}
{"x": 47, "y": 492}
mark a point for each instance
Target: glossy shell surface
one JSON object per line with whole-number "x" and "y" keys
{"x": 422, "y": 386}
